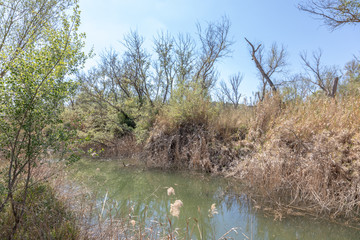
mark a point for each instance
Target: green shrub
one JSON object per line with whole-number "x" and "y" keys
{"x": 188, "y": 104}
{"x": 45, "y": 217}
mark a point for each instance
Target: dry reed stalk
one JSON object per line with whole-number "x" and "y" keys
{"x": 310, "y": 155}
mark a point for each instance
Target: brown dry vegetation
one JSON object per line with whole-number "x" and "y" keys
{"x": 304, "y": 155}
{"x": 45, "y": 215}
{"x": 309, "y": 156}
{"x": 123, "y": 147}
{"x": 196, "y": 135}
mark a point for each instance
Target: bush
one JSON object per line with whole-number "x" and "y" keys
{"x": 188, "y": 104}
{"x": 45, "y": 217}
{"x": 192, "y": 132}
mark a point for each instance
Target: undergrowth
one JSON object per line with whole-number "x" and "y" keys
{"x": 45, "y": 217}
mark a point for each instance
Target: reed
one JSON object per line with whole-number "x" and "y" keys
{"x": 308, "y": 156}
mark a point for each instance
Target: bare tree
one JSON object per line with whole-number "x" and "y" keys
{"x": 296, "y": 88}
{"x": 165, "y": 64}
{"x": 215, "y": 44}
{"x": 136, "y": 64}
{"x": 326, "y": 78}
{"x": 352, "y": 69}
{"x": 119, "y": 78}
{"x": 351, "y": 84}
{"x": 232, "y": 93}
{"x": 111, "y": 67}
{"x": 274, "y": 63}
{"x": 335, "y": 13}
{"x": 184, "y": 58}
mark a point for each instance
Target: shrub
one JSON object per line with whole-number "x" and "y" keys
{"x": 188, "y": 104}
{"x": 192, "y": 132}
{"x": 44, "y": 217}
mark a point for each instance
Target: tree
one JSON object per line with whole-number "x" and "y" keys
{"x": 215, "y": 44}
{"x": 165, "y": 64}
{"x": 324, "y": 77}
{"x": 39, "y": 48}
{"x": 123, "y": 81}
{"x": 232, "y": 94}
{"x": 351, "y": 84}
{"x": 274, "y": 63}
{"x": 335, "y": 13}
{"x": 184, "y": 58}
{"x": 136, "y": 64}
{"x": 296, "y": 88}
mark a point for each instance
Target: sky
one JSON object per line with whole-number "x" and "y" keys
{"x": 106, "y": 22}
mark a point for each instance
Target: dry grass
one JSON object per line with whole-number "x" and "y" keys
{"x": 303, "y": 154}
{"x": 309, "y": 157}
{"x": 197, "y": 135}
{"x": 232, "y": 124}
{"x": 123, "y": 147}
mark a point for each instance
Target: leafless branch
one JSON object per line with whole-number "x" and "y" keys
{"x": 326, "y": 78}
{"x": 232, "y": 93}
{"x": 335, "y": 13}
{"x": 215, "y": 44}
{"x": 276, "y": 61}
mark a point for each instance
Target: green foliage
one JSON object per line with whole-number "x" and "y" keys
{"x": 188, "y": 104}
{"x": 351, "y": 84}
{"x": 45, "y": 217}
{"x": 73, "y": 158}
{"x": 145, "y": 121}
{"x": 34, "y": 86}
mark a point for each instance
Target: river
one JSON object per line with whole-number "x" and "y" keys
{"x": 143, "y": 193}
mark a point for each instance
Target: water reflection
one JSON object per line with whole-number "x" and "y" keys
{"x": 142, "y": 194}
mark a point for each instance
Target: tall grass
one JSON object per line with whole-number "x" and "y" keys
{"x": 309, "y": 156}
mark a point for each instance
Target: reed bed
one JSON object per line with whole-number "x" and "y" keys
{"x": 308, "y": 156}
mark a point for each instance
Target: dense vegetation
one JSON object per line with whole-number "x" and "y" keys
{"x": 297, "y": 142}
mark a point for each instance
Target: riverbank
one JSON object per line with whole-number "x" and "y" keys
{"x": 45, "y": 215}
{"x": 296, "y": 156}
{"x": 300, "y": 155}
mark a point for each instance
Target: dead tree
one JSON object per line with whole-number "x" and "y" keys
{"x": 232, "y": 94}
{"x": 165, "y": 64}
{"x": 274, "y": 63}
{"x": 184, "y": 58}
{"x": 326, "y": 78}
{"x": 136, "y": 64}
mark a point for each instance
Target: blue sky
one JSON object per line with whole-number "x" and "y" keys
{"x": 105, "y": 23}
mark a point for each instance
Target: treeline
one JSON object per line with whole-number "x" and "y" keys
{"x": 129, "y": 91}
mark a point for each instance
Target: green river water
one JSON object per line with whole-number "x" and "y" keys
{"x": 145, "y": 191}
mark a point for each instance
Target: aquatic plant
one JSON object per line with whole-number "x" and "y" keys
{"x": 175, "y": 208}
